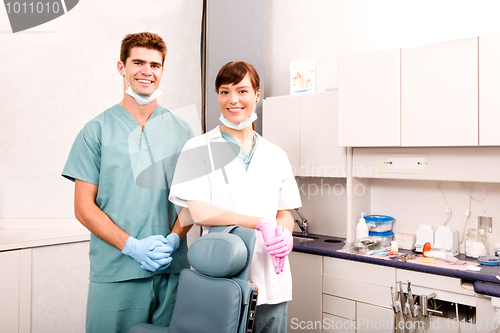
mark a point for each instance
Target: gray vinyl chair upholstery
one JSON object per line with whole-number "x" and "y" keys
{"x": 215, "y": 296}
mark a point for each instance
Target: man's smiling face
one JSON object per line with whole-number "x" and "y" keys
{"x": 144, "y": 70}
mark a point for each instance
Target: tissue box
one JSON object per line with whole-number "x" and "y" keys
{"x": 405, "y": 241}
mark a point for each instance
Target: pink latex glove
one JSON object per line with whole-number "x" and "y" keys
{"x": 280, "y": 246}
{"x": 268, "y": 231}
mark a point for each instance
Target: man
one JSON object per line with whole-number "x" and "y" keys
{"x": 122, "y": 163}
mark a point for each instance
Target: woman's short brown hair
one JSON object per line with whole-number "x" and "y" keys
{"x": 148, "y": 40}
{"x": 235, "y": 71}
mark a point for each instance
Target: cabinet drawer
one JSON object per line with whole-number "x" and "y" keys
{"x": 358, "y": 271}
{"x": 339, "y": 306}
{"x": 357, "y": 291}
{"x": 433, "y": 281}
{"x": 334, "y": 324}
{"x": 372, "y": 318}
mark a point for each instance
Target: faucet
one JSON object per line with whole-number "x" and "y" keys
{"x": 303, "y": 225}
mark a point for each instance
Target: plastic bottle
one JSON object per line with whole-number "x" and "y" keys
{"x": 361, "y": 228}
{"x": 394, "y": 247}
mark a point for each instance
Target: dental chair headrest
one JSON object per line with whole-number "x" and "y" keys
{"x": 218, "y": 254}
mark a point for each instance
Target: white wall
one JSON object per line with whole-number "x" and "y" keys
{"x": 324, "y": 203}
{"x": 413, "y": 202}
{"x": 58, "y": 76}
{"x": 322, "y": 31}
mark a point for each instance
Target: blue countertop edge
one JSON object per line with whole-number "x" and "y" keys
{"x": 485, "y": 281}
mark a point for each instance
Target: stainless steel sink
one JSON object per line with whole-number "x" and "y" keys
{"x": 302, "y": 239}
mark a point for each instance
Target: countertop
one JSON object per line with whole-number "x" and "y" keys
{"x": 16, "y": 234}
{"x": 485, "y": 281}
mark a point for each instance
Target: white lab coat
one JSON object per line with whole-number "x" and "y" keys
{"x": 266, "y": 187}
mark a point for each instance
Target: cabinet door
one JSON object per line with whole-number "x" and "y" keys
{"x": 489, "y": 86}
{"x": 320, "y": 155}
{"x": 305, "y": 307}
{"x": 369, "y": 99}
{"x": 439, "y": 94}
{"x": 485, "y": 315}
{"x": 281, "y": 126}
{"x": 371, "y": 318}
{"x": 9, "y": 289}
{"x": 15, "y": 291}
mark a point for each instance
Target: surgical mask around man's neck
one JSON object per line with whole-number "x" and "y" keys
{"x": 244, "y": 124}
{"x": 142, "y": 100}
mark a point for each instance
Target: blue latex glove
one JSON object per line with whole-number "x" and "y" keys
{"x": 161, "y": 254}
{"x": 138, "y": 250}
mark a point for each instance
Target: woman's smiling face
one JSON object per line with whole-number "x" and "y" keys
{"x": 237, "y": 101}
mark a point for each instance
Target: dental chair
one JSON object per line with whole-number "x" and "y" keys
{"x": 215, "y": 296}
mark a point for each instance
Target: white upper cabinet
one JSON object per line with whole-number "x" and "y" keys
{"x": 489, "y": 90}
{"x": 439, "y": 94}
{"x": 369, "y": 99}
{"x": 281, "y": 125}
{"x": 320, "y": 154}
{"x": 304, "y": 126}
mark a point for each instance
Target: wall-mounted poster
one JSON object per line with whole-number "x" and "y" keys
{"x": 302, "y": 77}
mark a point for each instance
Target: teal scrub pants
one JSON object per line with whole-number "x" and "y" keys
{"x": 115, "y": 306}
{"x": 270, "y": 318}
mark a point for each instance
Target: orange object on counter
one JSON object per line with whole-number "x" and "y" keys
{"x": 427, "y": 247}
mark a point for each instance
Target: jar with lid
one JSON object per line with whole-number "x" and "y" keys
{"x": 475, "y": 244}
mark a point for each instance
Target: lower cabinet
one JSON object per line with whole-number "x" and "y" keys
{"x": 304, "y": 311}
{"x": 44, "y": 289}
{"x": 339, "y": 295}
{"x": 357, "y": 297}
{"x": 15, "y": 291}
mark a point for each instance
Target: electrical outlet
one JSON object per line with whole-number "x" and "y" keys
{"x": 485, "y": 223}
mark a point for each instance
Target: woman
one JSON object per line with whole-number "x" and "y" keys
{"x": 256, "y": 189}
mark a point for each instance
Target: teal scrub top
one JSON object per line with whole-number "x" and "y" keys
{"x": 243, "y": 157}
{"x": 133, "y": 169}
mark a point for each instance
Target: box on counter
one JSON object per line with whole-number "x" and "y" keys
{"x": 405, "y": 241}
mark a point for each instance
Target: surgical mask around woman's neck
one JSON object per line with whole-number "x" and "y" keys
{"x": 142, "y": 100}
{"x": 239, "y": 126}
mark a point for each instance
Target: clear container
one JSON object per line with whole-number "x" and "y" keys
{"x": 475, "y": 244}
{"x": 379, "y": 223}
{"x": 385, "y": 238}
